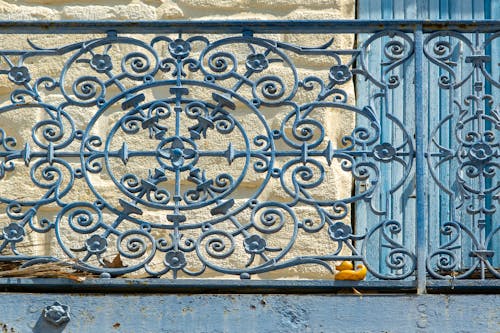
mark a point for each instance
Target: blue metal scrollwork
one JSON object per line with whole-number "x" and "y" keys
{"x": 471, "y": 157}
{"x": 186, "y": 102}
{"x": 190, "y": 155}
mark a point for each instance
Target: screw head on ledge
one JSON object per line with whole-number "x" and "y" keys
{"x": 57, "y": 314}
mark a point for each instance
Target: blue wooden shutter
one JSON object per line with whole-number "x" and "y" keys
{"x": 400, "y": 103}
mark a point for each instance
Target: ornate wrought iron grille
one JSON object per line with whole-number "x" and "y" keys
{"x": 178, "y": 151}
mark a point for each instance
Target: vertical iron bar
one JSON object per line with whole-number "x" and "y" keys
{"x": 420, "y": 160}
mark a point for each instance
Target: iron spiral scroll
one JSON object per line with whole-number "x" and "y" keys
{"x": 469, "y": 232}
{"x": 169, "y": 154}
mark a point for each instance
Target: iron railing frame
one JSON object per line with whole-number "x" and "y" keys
{"x": 248, "y": 28}
{"x": 241, "y": 26}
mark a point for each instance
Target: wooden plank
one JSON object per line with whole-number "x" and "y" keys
{"x": 493, "y": 11}
{"x": 387, "y": 106}
{"x": 440, "y": 206}
{"x": 434, "y": 102}
{"x": 395, "y": 104}
{"x": 406, "y": 112}
{"x": 457, "y": 10}
{"x": 364, "y": 218}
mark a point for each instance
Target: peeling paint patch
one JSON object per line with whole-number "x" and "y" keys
{"x": 295, "y": 318}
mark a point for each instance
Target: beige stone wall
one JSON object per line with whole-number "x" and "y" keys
{"x": 337, "y": 122}
{"x": 180, "y": 9}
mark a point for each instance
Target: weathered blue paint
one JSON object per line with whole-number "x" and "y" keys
{"x": 491, "y": 11}
{"x": 407, "y": 24}
{"x": 256, "y": 313}
{"x": 442, "y": 205}
{"x": 420, "y": 230}
{"x": 199, "y": 286}
{"x": 398, "y": 102}
{"x": 123, "y": 285}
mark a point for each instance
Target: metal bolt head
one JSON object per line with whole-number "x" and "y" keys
{"x": 56, "y": 314}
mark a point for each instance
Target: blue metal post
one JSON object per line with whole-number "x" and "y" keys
{"x": 420, "y": 184}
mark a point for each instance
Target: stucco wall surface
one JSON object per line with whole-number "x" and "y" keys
{"x": 16, "y": 186}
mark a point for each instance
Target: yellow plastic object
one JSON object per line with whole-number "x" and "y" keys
{"x": 352, "y": 275}
{"x": 344, "y": 265}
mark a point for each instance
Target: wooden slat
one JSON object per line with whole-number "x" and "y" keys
{"x": 493, "y": 11}
{"x": 400, "y": 205}
{"x": 439, "y": 103}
